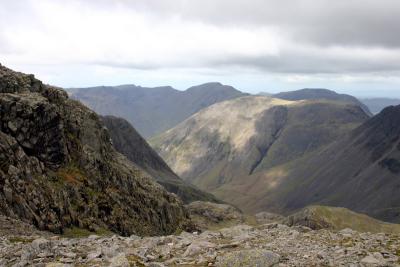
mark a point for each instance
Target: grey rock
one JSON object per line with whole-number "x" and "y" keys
{"x": 119, "y": 261}
{"x": 253, "y": 257}
{"x": 59, "y": 168}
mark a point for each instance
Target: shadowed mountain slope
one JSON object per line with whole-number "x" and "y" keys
{"x": 128, "y": 142}
{"x": 317, "y": 93}
{"x": 360, "y": 172}
{"x": 153, "y": 110}
{"x": 58, "y": 168}
{"x": 231, "y": 147}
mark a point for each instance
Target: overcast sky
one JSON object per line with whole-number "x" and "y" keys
{"x": 349, "y": 46}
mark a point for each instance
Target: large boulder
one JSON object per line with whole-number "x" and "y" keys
{"x": 208, "y": 215}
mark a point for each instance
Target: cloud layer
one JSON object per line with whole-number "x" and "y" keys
{"x": 284, "y": 39}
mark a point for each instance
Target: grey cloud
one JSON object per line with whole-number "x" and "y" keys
{"x": 323, "y": 22}
{"x": 315, "y": 24}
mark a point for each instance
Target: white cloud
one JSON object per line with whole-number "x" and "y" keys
{"x": 295, "y": 42}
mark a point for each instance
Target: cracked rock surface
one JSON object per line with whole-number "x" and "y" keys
{"x": 58, "y": 168}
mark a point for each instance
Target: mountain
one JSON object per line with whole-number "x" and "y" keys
{"x": 376, "y": 105}
{"x": 153, "y": 110}
{"x": 229, "y": 147}
{"x": 58, "y": 168}
{"x": 317, "y": 93}
{"x": 128, "y": 142}
{"x": 360, "y": 172}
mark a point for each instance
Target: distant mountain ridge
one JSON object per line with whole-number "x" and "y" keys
{"x": 320, "y": 93}
{"x": 128, "y": 142}
{"x": 153, "y": 110}
{"x": 377, "y": 104}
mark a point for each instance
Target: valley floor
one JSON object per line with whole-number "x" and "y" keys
{"x": 241, "y": 245}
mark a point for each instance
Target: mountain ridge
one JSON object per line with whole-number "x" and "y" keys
{"x": 321, "y": 93}
{"x": 226, "y": 148}
{"x": 153, "y": 109}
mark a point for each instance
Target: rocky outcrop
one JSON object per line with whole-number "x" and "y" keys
{"x": 128, "y": 142}
{"x": 207, "y": 215}
{"x": 334, "y": 218}
{"x": 59, "y": 169}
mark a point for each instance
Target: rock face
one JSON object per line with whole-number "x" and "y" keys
{"x": 241, "y": 245}
{"x": 238, "y": 149}
{"x": 153, "y": 110}
{"x": 317, "y": 93}
{"x": 128, "y": 142}
{"x": 59, "y": 169}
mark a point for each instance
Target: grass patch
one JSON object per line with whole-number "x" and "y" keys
{"x": 135, "y": 261}
{"x": 76, "y": 232}
{"x": 18, "y": 239}
{"x": 71, "y": 174}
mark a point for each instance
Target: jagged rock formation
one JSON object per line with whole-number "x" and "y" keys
{"x": 229, "y": 148}
{"x": 59, "y": 169}
{"x": 128, "y": 142}
{"x": 153, "y": 110}
{"x": 317, "y": 93}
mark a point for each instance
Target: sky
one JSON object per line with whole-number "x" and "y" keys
{"x": 350, "y": 46}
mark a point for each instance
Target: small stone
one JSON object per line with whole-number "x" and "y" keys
{"x": 119, "y": 261}
{"x": 94, "y": 254}
{"x": 54, "y": 264}
{"x": 69, "y": 255}
{"x": 40, "y": 244}
{"x": 66, "y": 260}
{"x": 370, "y": 261}
{"x": 150, "y": 257}
{"x": 45, "y": 255}
{"x": 198, "y": 247}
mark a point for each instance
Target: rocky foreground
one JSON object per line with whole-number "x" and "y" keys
{"x": 241, "y": 245}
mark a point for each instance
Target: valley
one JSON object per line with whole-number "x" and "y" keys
{"x": 295, "y": 179}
